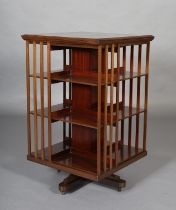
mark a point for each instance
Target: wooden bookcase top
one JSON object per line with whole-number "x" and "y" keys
{"x": 91, "y": 38}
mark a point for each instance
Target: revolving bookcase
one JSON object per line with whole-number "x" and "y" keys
{"x": 103, "y": 113}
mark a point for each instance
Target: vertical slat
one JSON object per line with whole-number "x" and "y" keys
{"x": 117, "y": 106}
{"x": 42, "y": 99}
{"x": 99, "y": 111}
{"x": 35, "y": 101}
{"x": 64, "y": 96}
{"x": 130, "y": 96}
{"x": 70, "y": 90}
{"x": 28, "y": 97}
{"x": 105, "y": 109}
{"x": 123, "y": 95}
{"x": 111, "y": 105}
{"x": 138, "y": 96}
{"x": 146, "y": 95}
{"x": 49, "y": 100}
{"x": 64, "y": 66}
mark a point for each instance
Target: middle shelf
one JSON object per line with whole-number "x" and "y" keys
{"x": 65, "y": 114}
{"x": 88, "y": 78}
{"x": 91, "y": 79}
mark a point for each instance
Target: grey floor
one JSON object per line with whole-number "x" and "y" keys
{"x": 151, "y": 182}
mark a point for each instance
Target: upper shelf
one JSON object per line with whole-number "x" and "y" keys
{"x": 45, "y": 76}
{"x": 91, "y": 79}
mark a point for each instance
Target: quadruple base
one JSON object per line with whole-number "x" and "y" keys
{"x": 72, "y": 183}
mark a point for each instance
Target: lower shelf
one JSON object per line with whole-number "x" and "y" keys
{"x": 84, "y": 167}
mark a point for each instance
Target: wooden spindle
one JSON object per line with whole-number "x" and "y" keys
{"x": 42, "y": 99}
{"x": 99, "y": 111}
{"x": 35, "y": 101}
{"x": 105, "y": 109}
{"x": 64, "y": 124}
{"x": 28, "y": 97}
{"x": 123, "y": 95}
{"x": 111, "y": 105}
{"x": 70, "y": 90}
{"x": 146, "y": 95}
{"x": 138, "y": 96}
{"x": 49, "y": 100}
{"x": 130, "y": 96}
{"x": 64, "y": 96}
{"x": 117, "y": 106}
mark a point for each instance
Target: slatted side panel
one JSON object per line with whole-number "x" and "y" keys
{"x": 146, "y": 96}
{"x": 28, "y": 97}
{"x": 108, "y": 141}
{"x": 99, "y": 111}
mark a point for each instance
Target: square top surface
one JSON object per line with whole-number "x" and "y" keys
{"x": 92, "y": 38}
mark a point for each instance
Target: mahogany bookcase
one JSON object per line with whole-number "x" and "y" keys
{"x": 104, "y": 104}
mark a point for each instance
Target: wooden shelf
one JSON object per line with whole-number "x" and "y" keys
{"x": 45, "y": 76}
{"x": 90, "y": 119}
{"x": 55, "y": 110}
{"x": 56, "y": 148}
{"x": 65, "y": 158}
{"x": 91, "y": 79}
{"x": 60, "y": 112}
{"x": 78, "y": 119}
{"x": 56, "y": 73}
{"x": 126, "y": 113}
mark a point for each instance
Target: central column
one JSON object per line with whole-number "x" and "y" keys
{"x": 84, "y": 97}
